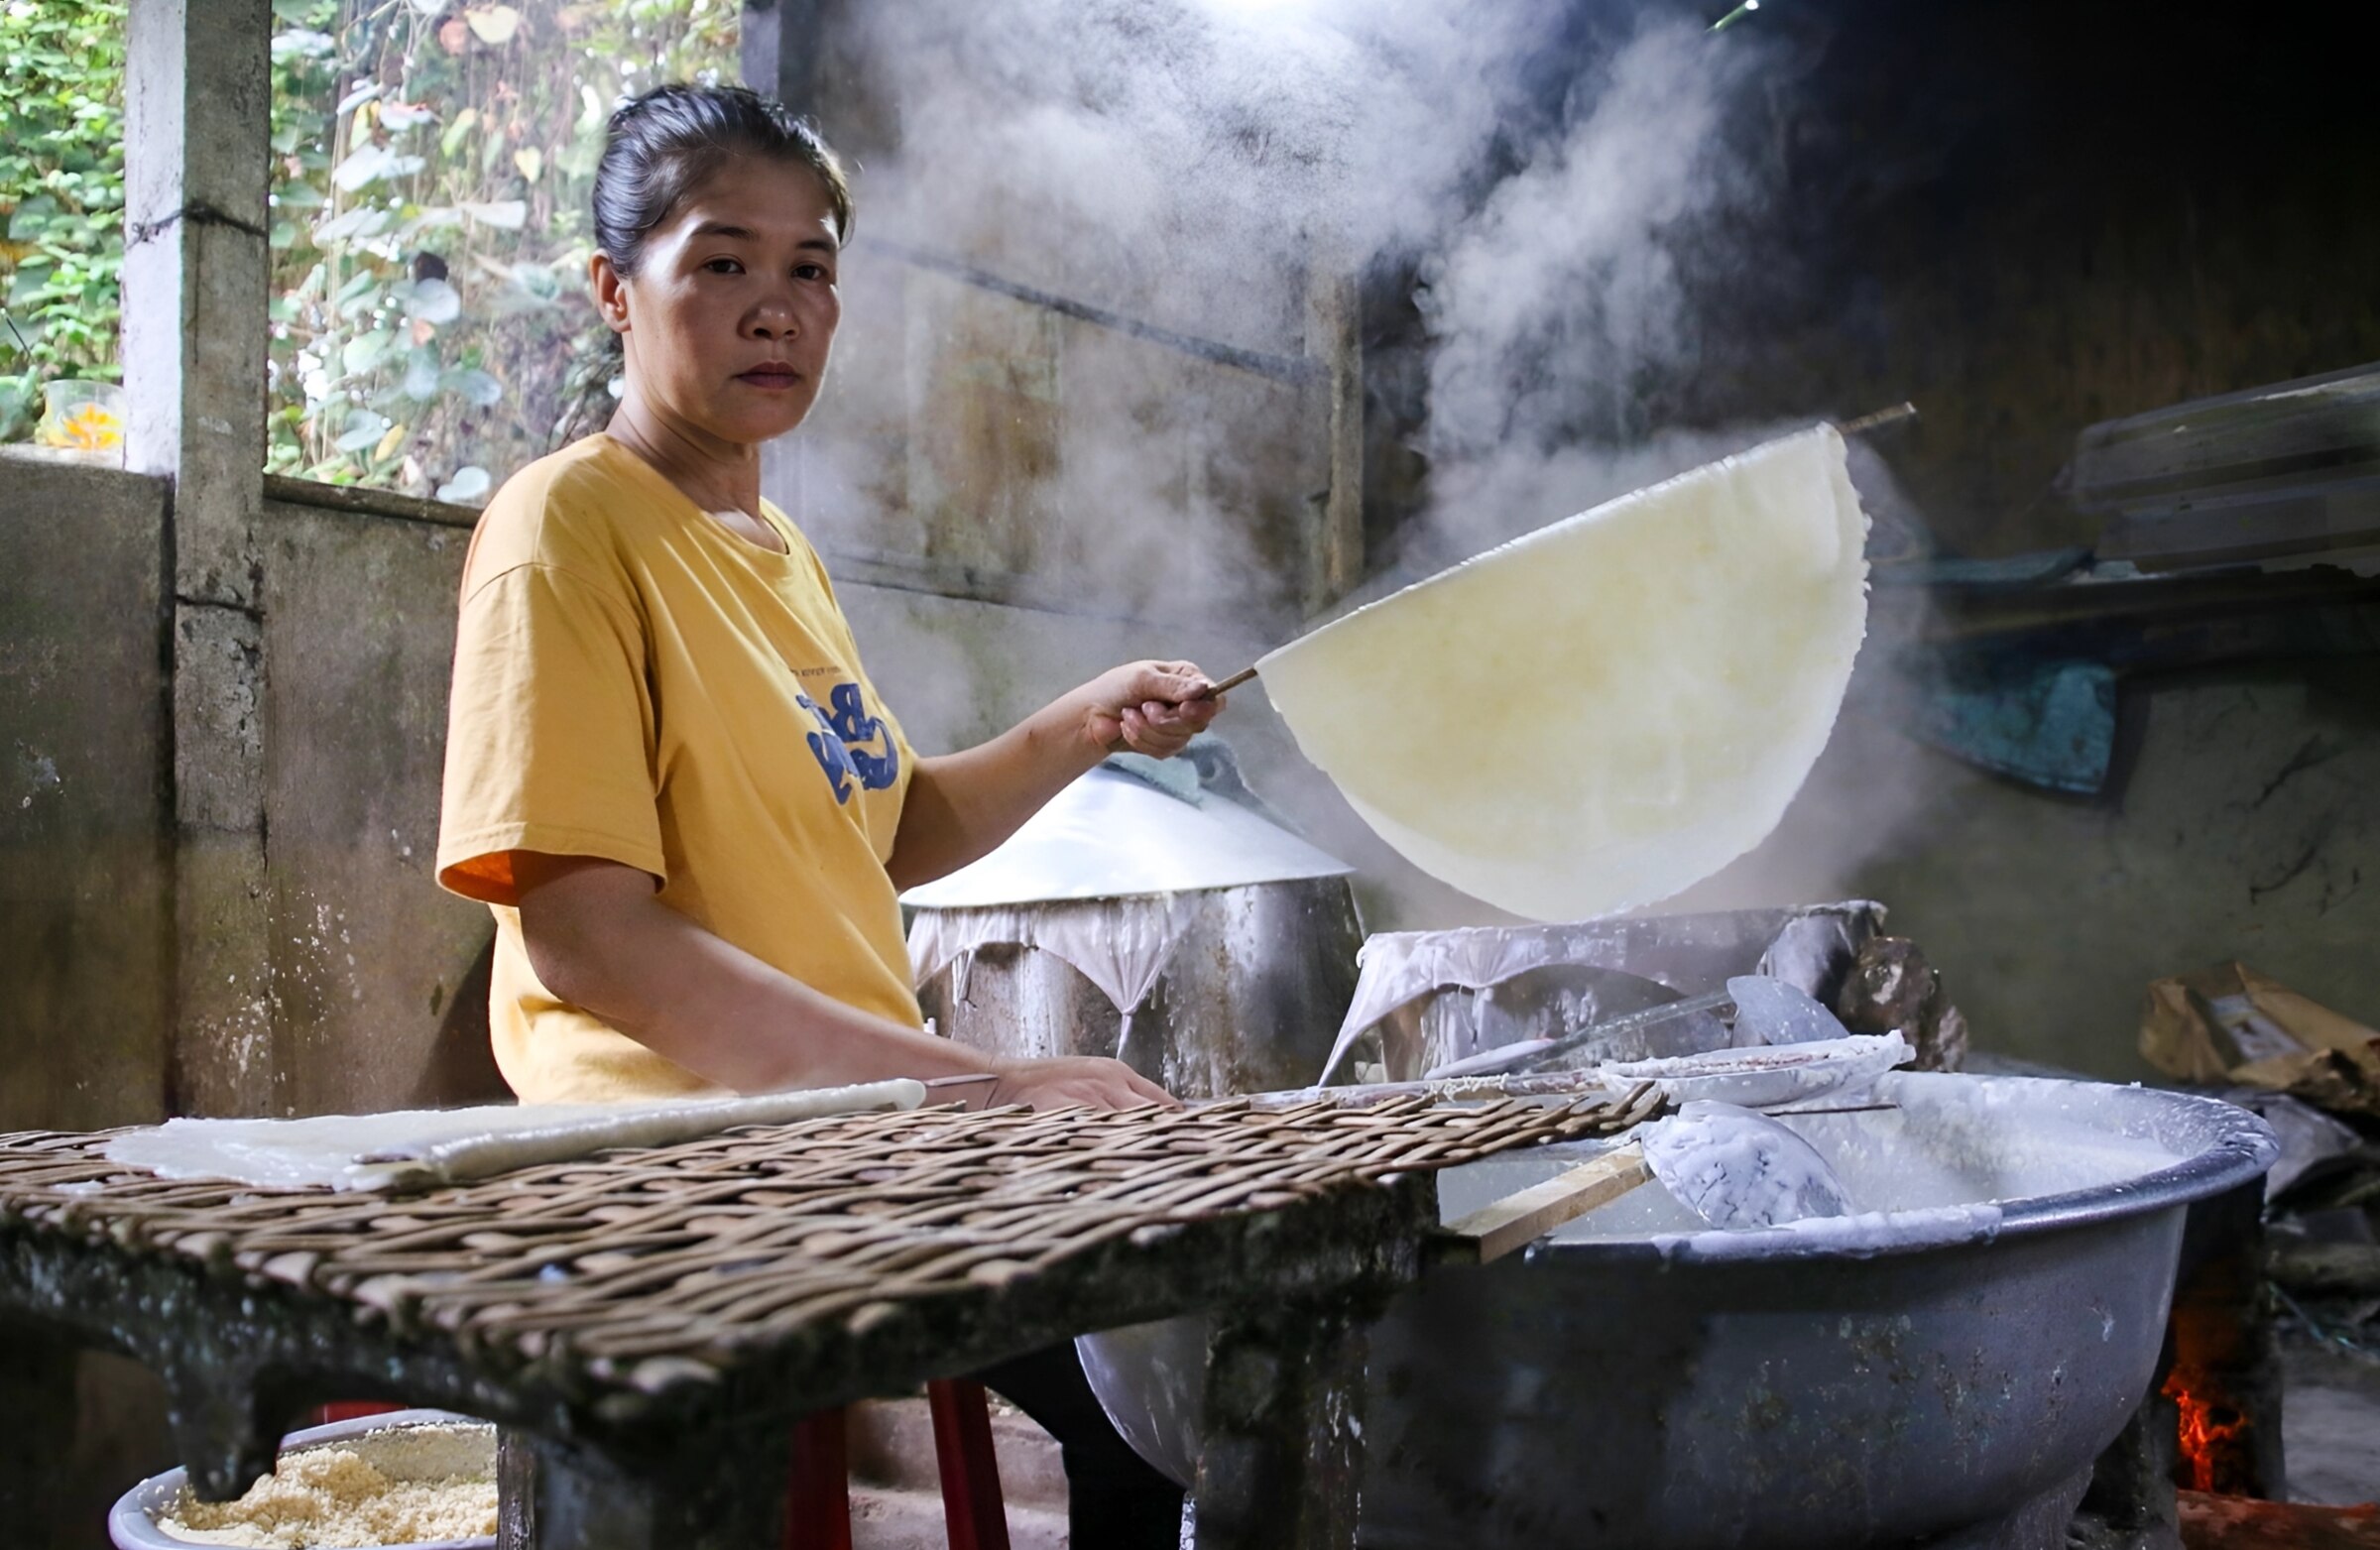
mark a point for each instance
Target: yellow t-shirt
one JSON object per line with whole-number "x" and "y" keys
{"x": 634, "y": 682}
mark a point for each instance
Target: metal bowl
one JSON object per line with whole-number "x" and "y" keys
{"x": 1636, "y": 1381}
{"x": 132, "y": 1523}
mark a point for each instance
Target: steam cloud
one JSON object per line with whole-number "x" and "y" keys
{"x": 1194, "y": 163}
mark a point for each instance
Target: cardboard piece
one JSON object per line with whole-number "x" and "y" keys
{"x": 2230, "y": 1023}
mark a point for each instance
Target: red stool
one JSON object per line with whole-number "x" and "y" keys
{"x": 818, "y": 1482}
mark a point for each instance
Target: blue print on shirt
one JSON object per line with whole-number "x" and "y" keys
{"x": 842, "y": 744}
{"x": 859, "y": 731}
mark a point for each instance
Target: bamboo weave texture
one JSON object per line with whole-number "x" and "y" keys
{"x": 645, "y": 1268}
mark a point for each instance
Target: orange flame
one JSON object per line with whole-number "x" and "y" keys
{"x": 2207, "y": 1430}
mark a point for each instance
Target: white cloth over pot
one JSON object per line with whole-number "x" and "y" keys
{"x": 420, "y": 1148}
{"x": 1120, "y": 945}
{"x": 1611, "y": 709}
{"x": 1396, "y": 968}
{"x": 1094, "y": 878}
{"x": 1111, "y": 835}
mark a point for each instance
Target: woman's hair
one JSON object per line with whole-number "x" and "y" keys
{"x": 664, "y": 142}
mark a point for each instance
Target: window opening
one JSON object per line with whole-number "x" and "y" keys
{"x": 432, "y": 329}
{"x": 61, "y": 220}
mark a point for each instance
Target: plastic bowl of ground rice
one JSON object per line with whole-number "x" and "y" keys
{"x": 411, "y": 1480}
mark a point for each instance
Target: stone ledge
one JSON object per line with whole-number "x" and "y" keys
{"x": 357, "y": 501}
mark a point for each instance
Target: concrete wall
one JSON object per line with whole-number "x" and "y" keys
{"x": 376, "y": 980}
{"x": 957, "y": 670}
{"x": 87, "y": 904}
{"x": 371, "y": 993}
{"x": 86, "y": 895}
{"x": 2251, "y": 819}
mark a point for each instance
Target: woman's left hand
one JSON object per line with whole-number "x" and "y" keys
{"x": 1152, "y": 708}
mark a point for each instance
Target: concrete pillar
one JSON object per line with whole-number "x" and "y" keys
{"x": 198, "y": 105}
{"x": 1282, "y": 1461}
{"x": 780, "y": 49}
{"x": 197, "y": 119}
{"x": 777, "y": 47}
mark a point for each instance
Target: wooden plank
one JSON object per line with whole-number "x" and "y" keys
{"x": 1521, "y": 1217}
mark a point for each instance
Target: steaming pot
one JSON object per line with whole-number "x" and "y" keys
{"x": 1154, "y": 914}
{"x": 1424, "y": 999}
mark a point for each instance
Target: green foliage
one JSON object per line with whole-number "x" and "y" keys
{"x": 430, "y": 233}
{"x": 62, "y": 195}
{"x": 431, "y": 166}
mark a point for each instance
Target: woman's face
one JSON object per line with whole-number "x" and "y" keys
{"x": 733, "y": 308}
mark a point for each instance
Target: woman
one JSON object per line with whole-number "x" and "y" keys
{"x": 666, "y": 772}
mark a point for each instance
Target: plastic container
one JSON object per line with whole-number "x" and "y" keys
{"x": 83, "y": 417}
{"x": 132, "y": 1526}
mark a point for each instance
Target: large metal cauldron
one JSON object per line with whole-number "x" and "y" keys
{"x": 1152, "y": 913}
{"x": 1426, "y": 998}
{"x": 1635, "y": 1383}
{"x": 1256, "y": 980}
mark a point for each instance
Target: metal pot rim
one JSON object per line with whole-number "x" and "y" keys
{"x": 2238, "y": 1147}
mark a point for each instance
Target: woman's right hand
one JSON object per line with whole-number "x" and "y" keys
{"x": 1091, "y": 1081}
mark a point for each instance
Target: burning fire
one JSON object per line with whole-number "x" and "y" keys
{"x": 2208, "y": 1428}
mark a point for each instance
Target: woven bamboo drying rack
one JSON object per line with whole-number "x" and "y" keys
{"x": 676, "y": 1303}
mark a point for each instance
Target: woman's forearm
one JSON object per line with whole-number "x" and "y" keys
{"x": 600, "y": 940}
{"x": 961, "y": 807}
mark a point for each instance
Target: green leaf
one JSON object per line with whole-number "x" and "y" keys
{"x": 421, "y": 374}
{"x": 302, "y": 43}
{"x": 468, "y": 486}
{"x": 364, "y": 428}
{"x": 362, "y": 353}
{"x": 505, "y": 214}
{"x": 478, "y": 389}
{"x": 364, "y": 222}
{"x": 371, "y": 165}
{"x": 429, "y": 300}
{"x": 437, "y": 217}
{"x": 528, "y": 287}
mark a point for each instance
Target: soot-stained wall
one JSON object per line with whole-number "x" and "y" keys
{"x": 86, "y": 911}
{"x": 85, "y": 898}
{"x": 374, "y": 976}
{"x": 2028, "y": 216}
{"x": 2249, "y": 829}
